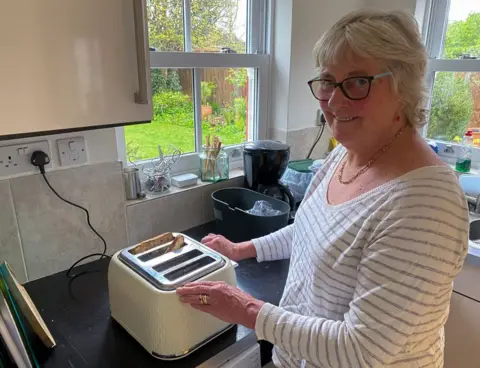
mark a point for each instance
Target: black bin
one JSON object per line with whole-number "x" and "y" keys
{"x": 230, "y": 206}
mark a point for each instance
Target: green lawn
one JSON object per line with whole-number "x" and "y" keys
{"x": 147, "y": 137}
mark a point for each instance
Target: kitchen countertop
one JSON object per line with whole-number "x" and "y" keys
{"x": 78, "y": 314}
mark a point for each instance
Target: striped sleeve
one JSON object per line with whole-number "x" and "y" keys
{"x": 275, "y": 246}
{"x": 402, "y": 293}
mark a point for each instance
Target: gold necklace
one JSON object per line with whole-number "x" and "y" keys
{"x": 369, "y": 163}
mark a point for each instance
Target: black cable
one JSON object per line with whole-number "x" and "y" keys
{"x": 319, "y": 135}
{"x": 101, "y": 255}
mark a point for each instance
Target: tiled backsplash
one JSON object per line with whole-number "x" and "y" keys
{"x": 176, "y": 212}
{"x": 301, "y": 141}
{"x": 10, "y": 247}
{"x": 41, "y": 235}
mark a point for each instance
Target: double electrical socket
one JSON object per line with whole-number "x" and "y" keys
{"x": 15, "y": 159}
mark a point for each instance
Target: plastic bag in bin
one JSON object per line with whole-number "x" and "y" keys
{"x": 263, "y": 208}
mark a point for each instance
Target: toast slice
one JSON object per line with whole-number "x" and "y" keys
{"x": 152, "y": 243}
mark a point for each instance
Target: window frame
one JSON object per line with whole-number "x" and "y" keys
{"x": 259, "y": 21}
{"x": 434, "y": 25}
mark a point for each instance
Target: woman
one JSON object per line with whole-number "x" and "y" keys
{"x": 383, "y": 229}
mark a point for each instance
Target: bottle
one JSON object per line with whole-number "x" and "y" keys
{"x": 464, "y": 160}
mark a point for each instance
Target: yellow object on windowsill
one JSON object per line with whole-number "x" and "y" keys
{"x": 332, "y": 144}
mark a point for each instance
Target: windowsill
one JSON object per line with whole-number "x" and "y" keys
{"x": 234, "y": 173}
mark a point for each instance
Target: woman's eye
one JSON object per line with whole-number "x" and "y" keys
{"x": 361, "y": 82}
{"x": 325, "y": 85}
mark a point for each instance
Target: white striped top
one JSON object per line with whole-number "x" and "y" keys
{"x": 370, "y": 280}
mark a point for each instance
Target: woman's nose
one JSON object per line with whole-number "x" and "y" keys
{"x": 337, "y": 99}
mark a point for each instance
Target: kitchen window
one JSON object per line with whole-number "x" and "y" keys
{"x": 210, "y": 75}
{"x": 451, "y": 32}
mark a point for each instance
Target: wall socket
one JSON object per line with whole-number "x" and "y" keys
{"x": 15, "y": 159}
{"x": 72, "y": 151}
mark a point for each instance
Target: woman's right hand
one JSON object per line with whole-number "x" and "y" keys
{"x": 233, "y": 251}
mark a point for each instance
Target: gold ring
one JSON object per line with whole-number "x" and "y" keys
{"x": 203, "y": 299}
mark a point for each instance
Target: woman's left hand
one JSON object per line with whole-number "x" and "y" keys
{"x": 226, "y": 302}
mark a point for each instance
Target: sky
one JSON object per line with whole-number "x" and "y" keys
{"x": 241, "y": 20}
{"x": 459, "y": 9}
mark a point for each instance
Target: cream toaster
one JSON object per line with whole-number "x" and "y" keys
{"x": 142, "y": 280}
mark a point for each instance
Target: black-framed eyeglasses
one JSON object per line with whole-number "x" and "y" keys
{"x": 354, "y": 88}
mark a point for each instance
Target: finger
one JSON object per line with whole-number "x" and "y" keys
{"x": 204, "y": 283}
{"x": 194, "y": 290}
{"x": 191, "y": 299}
{"x": 213, "y": 244}
{"x": 209, "y": 237}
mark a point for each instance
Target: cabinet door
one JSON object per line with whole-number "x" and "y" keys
{"x": 69, "y": 64}
{"x": 462, "y": 333}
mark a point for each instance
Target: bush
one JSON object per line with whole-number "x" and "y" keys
{"x": 174, "y": 108}
{"x": 451, "y": 107}
{"x": 167, "y": 103}
{"x": 165, "y": 80}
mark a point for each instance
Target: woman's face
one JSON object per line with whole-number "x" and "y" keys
{"x": 365, "y": 121}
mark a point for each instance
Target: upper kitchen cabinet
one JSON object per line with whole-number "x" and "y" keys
{"x": 72, "y": 65}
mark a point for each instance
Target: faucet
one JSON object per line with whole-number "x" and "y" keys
{"x": 474, "y": 202}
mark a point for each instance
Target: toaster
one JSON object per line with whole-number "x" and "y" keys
{"x": 143, "y": 300}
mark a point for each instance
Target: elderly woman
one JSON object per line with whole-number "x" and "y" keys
{"x": 383, "y": 229}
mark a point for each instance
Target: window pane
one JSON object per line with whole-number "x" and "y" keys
{"x": 219, "y": 24}
{"x": 227, "y": 104}
{"x": 165, "y": 25}
{"x": 455, "y": 105}
{"x": 463, "y": 28}
{"x": 173, "y": 120}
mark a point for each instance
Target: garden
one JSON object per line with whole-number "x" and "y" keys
{"x": 173, "y": 114}
{"x": 224, "y": 91}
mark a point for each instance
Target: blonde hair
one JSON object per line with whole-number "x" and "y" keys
{"x": 393, "y": 39}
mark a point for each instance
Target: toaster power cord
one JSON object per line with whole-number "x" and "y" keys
{"x": 323, "y": 121}
{"x": 40, "y": 159}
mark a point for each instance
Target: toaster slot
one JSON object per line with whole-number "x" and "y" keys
{"x": 177, "y": 260}
{"x": 152, "y": 255}
{"x": 188, "y": 269}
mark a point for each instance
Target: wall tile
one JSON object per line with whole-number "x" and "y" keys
{"x": 55, "y": 234}
{"x": 174, "y": 212}
{"x": 10, "y": 248}
{"x": 300, "y": 142}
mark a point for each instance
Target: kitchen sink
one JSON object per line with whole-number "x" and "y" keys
{"x": 474, "y": 235}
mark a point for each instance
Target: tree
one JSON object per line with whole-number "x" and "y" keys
{"x": 213, "y": 25}
{"x": 453, "y": 93}
{"x": 451, "y": 107}
{"x": 463, "y": 37}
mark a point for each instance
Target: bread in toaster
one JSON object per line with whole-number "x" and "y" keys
{"x": 176, "y": 244}
{"x": 152, "y": 243}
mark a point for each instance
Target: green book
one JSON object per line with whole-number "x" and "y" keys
{"x": 18, "y": 320}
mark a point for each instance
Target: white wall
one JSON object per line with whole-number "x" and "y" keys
{"x": 310, "y": 19}
{"x": 281, "y": 51}
{"x": 389, "y": 5}
{"x": 297, "y": 27}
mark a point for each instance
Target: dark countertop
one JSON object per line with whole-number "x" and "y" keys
{"x": 78, "y": 314}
